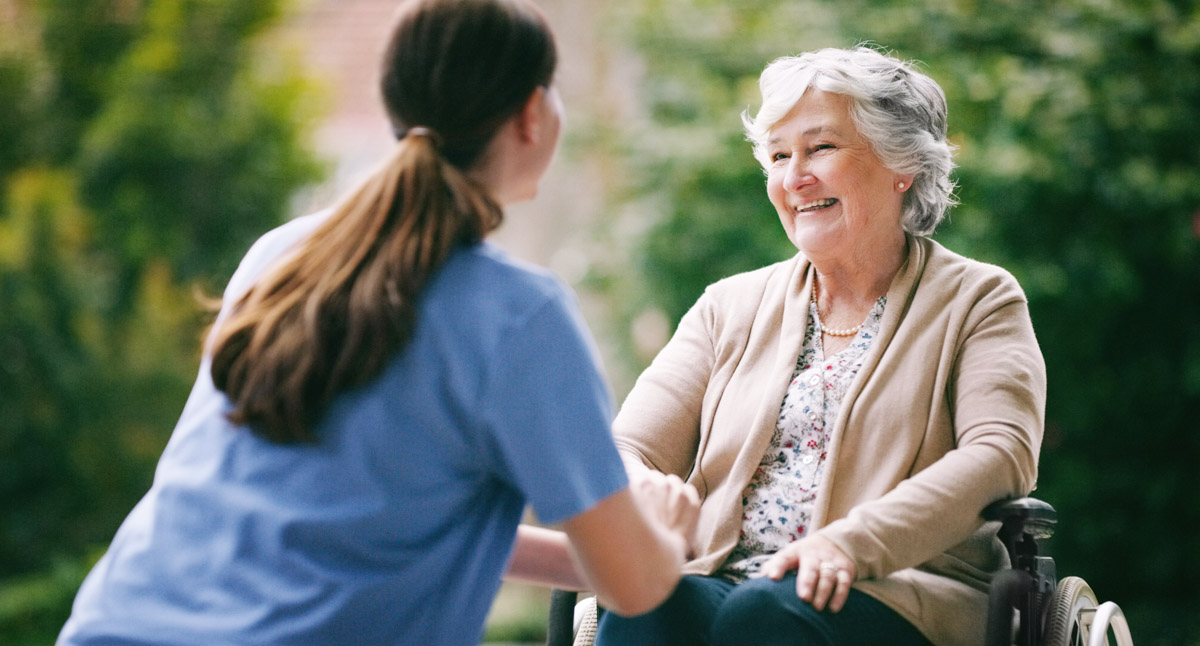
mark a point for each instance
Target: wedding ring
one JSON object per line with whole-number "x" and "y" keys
{"x": 828, "y": 566}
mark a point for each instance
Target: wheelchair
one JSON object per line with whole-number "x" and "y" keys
{"x": 1027, "y": 604}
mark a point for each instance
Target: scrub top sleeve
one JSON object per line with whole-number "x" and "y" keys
{"x": 549, "y": 411}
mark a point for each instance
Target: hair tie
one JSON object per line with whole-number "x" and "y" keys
{"x": 427, "y": 133}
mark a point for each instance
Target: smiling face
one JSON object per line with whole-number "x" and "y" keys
{"x": 833, "y": 195}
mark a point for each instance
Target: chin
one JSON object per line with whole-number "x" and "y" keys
{"x": 527, "y": 194}
{"x": 809, "y": 240}
{"x": 517, "y": 197}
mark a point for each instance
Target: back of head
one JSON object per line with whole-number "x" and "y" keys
{"x": 901, "y": 112}
{"x": 462, "y": 67}
{"x": 332, "y": 313}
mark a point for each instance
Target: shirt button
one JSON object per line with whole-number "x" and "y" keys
{"x": 814, "y": 380}
{"x": 808, "y": 459}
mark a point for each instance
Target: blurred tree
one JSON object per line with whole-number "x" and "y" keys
{"x": 145, "y": 143}
{"x": 1079, "y": 127}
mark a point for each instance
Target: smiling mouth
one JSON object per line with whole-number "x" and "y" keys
{"x": 816, "y": 205}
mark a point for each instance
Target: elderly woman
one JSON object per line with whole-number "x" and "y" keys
{"x": 846, "y": 414}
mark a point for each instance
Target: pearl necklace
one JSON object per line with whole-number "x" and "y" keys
{"x": 850, "y": 331}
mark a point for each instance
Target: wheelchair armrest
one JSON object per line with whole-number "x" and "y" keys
{"x": 1023, "y": 516}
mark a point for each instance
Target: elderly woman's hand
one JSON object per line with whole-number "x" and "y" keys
{"x": 823, "y": 571}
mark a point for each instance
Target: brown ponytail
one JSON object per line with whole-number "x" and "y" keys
{"x": 331, "y": 314}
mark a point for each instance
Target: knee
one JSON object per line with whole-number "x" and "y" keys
{"x": 655, "y": 627}
{"x": 681, "y": 619}
{"x": 762, "y": 611}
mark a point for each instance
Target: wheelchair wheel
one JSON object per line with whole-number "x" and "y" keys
{"x": 1068, "y": 617}
{"x": 1075, "y": 617}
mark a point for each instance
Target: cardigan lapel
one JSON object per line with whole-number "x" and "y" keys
{"x": 792, "y": 290}
{"x": 899, "y": 299}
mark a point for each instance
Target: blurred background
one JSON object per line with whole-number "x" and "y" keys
{"x": 144, "y": 144}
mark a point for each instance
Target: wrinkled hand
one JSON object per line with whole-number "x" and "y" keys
{"x": 823, "y": 571}
{"x": 669, "y": 500}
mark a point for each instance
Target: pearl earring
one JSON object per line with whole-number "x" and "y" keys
{"x": 900, "y": 186}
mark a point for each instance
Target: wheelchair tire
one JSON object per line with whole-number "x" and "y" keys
{"x": 1009, "y": 590}
{"x": 1071, "y": 598}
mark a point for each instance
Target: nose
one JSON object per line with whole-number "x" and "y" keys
{"x": 798, "y": 176}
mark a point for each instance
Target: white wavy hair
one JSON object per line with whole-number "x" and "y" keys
{"x": 898, "y": 110}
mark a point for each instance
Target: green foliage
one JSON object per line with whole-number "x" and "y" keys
{"x": 1079, "y": 128}
{"x": 146, "y": 143}
{"x": 33, "y": 608}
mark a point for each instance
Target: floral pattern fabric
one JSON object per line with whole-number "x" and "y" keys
{"x": 778, "y": 503}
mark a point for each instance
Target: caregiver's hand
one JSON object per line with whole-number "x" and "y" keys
{"x": 668, "y": 500}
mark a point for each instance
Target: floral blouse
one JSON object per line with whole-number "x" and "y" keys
{"x": 778, "y": 502}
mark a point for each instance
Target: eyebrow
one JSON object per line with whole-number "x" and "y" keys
{"x": 815, "y": 130}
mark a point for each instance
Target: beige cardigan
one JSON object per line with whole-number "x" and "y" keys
{"x": 944, "y": 417}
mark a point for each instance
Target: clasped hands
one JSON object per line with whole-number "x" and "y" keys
{"x": 670, "y": 501}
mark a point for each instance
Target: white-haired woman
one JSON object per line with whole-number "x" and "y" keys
{"x": 846, "y": 414}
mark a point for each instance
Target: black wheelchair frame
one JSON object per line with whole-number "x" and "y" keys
{"x": 1027, "y": 604}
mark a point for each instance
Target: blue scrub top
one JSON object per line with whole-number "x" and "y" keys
{"x": 396, "y": 527}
